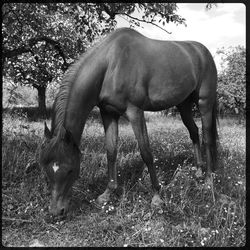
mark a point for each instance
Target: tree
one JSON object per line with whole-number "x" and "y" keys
{"x": 232, "y": 80}
{"x": 40, "y": 41}
{"x": 32, "y": 50}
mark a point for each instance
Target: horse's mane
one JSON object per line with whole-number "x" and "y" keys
{"x": 61, "y": 101}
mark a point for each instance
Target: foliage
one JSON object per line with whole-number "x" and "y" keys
{"x": 232, "y": 80}
{"x": 192, "y": 215}
{"x": 32, "y": 38}
{"x": 16, "y": 95}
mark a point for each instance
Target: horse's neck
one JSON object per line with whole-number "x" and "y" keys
{"x": 83, "y": 97}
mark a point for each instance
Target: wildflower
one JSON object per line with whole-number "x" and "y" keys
{"x": 160, "y": 211}
{"x": 148, "y": 229}
{"x": 204, "y": 230}
{"x": 111, "y": 208}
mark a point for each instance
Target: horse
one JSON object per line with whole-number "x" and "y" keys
{"x": 127, "y": 74}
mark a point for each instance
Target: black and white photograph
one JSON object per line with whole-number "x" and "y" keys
{"x": 123, "y": 124}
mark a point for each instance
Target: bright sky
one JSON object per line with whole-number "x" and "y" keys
{"x": 221, "y": 26}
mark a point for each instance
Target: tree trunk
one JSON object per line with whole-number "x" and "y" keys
{"x": 42, "y": 101}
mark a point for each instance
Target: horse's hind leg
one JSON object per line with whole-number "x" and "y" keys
{"x": 207, "y": 107}
{"x": 110, "y": 123}
{"x": 136, "y": 117}
{"x": 185, "y": 110}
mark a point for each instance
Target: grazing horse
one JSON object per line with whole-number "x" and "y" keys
{"x": 128, "y": 73}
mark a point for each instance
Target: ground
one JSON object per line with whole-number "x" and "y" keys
{"x": 193, "y": 214}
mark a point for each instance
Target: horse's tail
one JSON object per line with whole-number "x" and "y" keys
{"x": 215, "y": 135}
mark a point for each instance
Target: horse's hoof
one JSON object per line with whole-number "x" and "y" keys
{"x": 96, "y": 205}
{"x": 209, "y": 180}
{"x": 102, "y": 200}
{"x": 156, "y": 201}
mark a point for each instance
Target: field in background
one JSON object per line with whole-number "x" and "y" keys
{"x": 192, "y": 215}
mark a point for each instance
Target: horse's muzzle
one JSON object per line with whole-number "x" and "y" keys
{"x": 59, "y": 205}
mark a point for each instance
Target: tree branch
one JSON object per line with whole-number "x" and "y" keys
{"x": 15, "y": 52}
{"x": 33, "y": 41}
{"x": 108, "y": 11}
{"x": 141, "y": 20}
{"x": 54, "y": 43}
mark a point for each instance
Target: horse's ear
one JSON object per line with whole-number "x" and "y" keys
{"x": 47, "y": 132}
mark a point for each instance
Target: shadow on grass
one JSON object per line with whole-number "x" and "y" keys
{"x": 133, "y": 178}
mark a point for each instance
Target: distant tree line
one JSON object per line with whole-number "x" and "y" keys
{"x": 232, "y": 82}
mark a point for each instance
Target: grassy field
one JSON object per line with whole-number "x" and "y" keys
{"x": 192, "y": 214}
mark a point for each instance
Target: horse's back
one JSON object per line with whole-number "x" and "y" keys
{"x": 152, "y": 74}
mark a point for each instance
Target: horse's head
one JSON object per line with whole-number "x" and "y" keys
{"x": 60, "y": 158}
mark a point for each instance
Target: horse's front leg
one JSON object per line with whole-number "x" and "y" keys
{"x": 136, "y": 117}
{"x": 110, "y": 123}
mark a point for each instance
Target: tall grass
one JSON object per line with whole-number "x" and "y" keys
{"x": 192, "y": 214}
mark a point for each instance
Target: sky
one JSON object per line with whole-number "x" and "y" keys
{"x": 221, "y": 26}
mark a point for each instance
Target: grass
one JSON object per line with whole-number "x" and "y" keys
{"x": 192, "y": 215}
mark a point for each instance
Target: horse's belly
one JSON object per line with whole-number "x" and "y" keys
{"x": 168, "y": 93}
